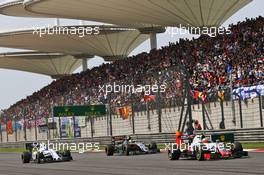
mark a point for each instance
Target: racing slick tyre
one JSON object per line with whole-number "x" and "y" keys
{"x": 39, "y": 157}
{"x": 238, "y": 146}
{"x": 109, "y": 150}
{"x": 245, "y": 153}
{"x": 67, "y": 155}
{"x": 175, "y": 155}
{"x": 127, "y": 150}
{"x": 26, "y": 157}
{"x": 200, "y": 154}
{"x": 153, "y": 147}
{"x": 238, "y": 150}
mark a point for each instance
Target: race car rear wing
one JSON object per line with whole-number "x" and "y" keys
{"x": 118, "y": 139}
{"x": 29, "y": 146}
{"x": 223, "y": 137}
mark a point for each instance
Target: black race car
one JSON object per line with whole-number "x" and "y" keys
{"x": 123, "y": 145}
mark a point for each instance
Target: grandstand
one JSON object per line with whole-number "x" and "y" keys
{"x": 209, "y": 74}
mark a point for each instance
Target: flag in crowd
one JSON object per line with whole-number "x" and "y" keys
{"x": 243, "y": 93}
{"x": 9, "y": 127}
{"x": 221, "y": 95}
{"x": 197, "y": 95}
{"x": 124, "y": 112}
{"x": 148, "y": 98}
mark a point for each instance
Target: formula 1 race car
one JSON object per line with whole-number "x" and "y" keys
{"x": 200, "y": 147}
{"x": 39, "y": 153}
{"x": 123, "y": 145}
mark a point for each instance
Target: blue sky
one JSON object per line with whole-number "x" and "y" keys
{"x": 15, "y": 85}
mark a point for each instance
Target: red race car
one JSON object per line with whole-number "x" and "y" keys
{"x": 201, "y": 147}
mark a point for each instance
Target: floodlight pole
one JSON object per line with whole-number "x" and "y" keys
{"x": 187, "y": 96}
{"x": 231, "y": 99}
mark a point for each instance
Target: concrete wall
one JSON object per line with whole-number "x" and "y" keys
{"x": 169, "y": 121}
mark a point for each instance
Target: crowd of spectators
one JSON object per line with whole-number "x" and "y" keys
{"x": 212, "y": 63}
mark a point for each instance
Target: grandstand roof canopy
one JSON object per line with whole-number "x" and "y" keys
{"x": 52, "y": 64}
{"x": 16, "y": 8}
{"x": 109, "y": 42}
{"x": 140, "y": 13}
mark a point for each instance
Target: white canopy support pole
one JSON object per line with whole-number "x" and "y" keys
{"x": 81, "y": 22}
{"x": 57, "y": 22}
{"x": 153, "y": 40}
{"x": 84, "y": 59}
{"x": 84, "y": 64}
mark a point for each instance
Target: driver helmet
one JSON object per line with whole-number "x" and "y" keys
{"x": 205, "y": 140}
{"x": 44, "y": 146}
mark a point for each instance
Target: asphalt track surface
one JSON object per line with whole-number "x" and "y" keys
{"x": 156, "y": 164}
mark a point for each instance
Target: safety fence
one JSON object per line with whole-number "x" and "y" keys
{"x": 248, "y": 135}
{"x": 144, "y": 119}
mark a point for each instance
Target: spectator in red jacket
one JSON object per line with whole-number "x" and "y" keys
{"x": 197, "y": 126}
